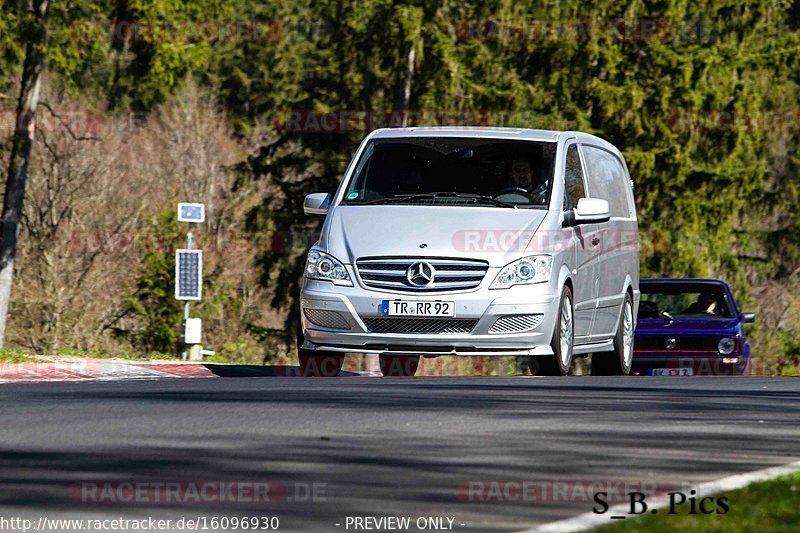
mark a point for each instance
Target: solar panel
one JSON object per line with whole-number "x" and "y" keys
{"x": 188, "y": 274}
{"x": 191, "y": 212}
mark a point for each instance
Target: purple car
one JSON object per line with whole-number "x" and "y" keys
{"x": 689, "y": 327}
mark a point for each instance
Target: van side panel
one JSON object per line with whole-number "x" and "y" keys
{"x": 618, "y": 248}
{"x": 585, "y": 273}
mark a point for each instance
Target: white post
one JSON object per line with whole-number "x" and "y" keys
{"x": 186, "y": 349}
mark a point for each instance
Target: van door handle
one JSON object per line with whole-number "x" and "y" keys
{"x": 595, "y": 240}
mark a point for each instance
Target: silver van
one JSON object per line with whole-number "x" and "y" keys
{"x": 474, "y": 241}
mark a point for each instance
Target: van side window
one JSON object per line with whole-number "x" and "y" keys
{"x": 607, "y": 180}
{"x": 573, "y": 177}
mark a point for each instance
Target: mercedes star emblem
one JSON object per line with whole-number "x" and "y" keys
{"x": 420, "y": 274}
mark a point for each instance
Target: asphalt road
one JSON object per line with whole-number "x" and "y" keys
{"x": 378, "y": 447}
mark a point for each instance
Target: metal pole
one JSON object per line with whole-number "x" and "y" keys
{"x": 189, "y": 246}
{"x": 185, "y": 318}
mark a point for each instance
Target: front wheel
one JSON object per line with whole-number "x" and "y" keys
{"x": 619, "y": 361}
{"x": 560, "y": 362}
{"x": 327, "y": 365}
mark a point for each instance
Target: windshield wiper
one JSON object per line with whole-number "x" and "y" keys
{"x": 440, "y": 195}
{"x": 479, "y": 197}
{"x": 397, "y": 198}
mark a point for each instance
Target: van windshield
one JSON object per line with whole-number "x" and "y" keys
{"x": 453, "y": 171}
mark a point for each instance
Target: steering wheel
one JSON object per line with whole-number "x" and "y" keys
{"x": 510, "y": 190}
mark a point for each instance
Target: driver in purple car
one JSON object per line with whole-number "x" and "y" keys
{"x": 706, "y": 304}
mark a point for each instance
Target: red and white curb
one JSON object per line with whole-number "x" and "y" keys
{"x": 100, "y": 370}
{"x": 119, "y": 369}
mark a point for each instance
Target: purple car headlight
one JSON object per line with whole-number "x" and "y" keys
{"x": 726, "y": 345}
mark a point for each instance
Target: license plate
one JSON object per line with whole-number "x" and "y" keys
{"x": 672, "y": 372}
{"x": 417, "y": 308}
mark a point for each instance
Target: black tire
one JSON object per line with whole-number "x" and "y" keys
{"x": 560, "y": 363}
{"x": 317, "y": 363}
{"x": 321, "y": 366}
{"x": 619, "y": 361}
{"x": 399, "y": 365}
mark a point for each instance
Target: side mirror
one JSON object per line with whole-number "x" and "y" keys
{"x": 748, "y": 317}
{"x": 316, "y": 203}
{"x": 588, "y": 211}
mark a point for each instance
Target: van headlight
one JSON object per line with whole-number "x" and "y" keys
{"x": 726, "y": 345}
{"x": 322, "y": 266}
{"x": 531, "y": 269}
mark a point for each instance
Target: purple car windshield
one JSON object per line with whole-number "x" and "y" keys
{"x": 686, "y": 305}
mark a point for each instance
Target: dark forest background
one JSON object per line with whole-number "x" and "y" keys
{"x": 247, "y": 106}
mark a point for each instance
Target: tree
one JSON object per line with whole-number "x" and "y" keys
{"x": 25, "y": 127}
{"x": 74, "y": 36}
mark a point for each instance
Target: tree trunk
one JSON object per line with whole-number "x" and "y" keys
{"x": 20, "y": 153}
{"x": 402, "y": 100}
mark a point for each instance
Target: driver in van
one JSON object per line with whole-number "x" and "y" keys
{"x": 520, "y": 176}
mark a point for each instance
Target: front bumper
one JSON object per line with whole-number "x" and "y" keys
{"x": 356, "y": 303}
{"x": 700, "y": 363}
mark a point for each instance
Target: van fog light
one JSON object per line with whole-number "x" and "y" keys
{"x": 326, "y": 318}
{"x": 730, "y": 360}
{"x": 516, "y": 323}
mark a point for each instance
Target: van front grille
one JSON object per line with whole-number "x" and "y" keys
{"x": 434, "y": 326}
{"x": 445, "y": 274}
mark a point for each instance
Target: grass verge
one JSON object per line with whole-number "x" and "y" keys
{"x": 16, "y": 356}
{"x": 769, "y": 506}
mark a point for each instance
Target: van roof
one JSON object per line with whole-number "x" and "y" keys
{"x": 492, "y": 133}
